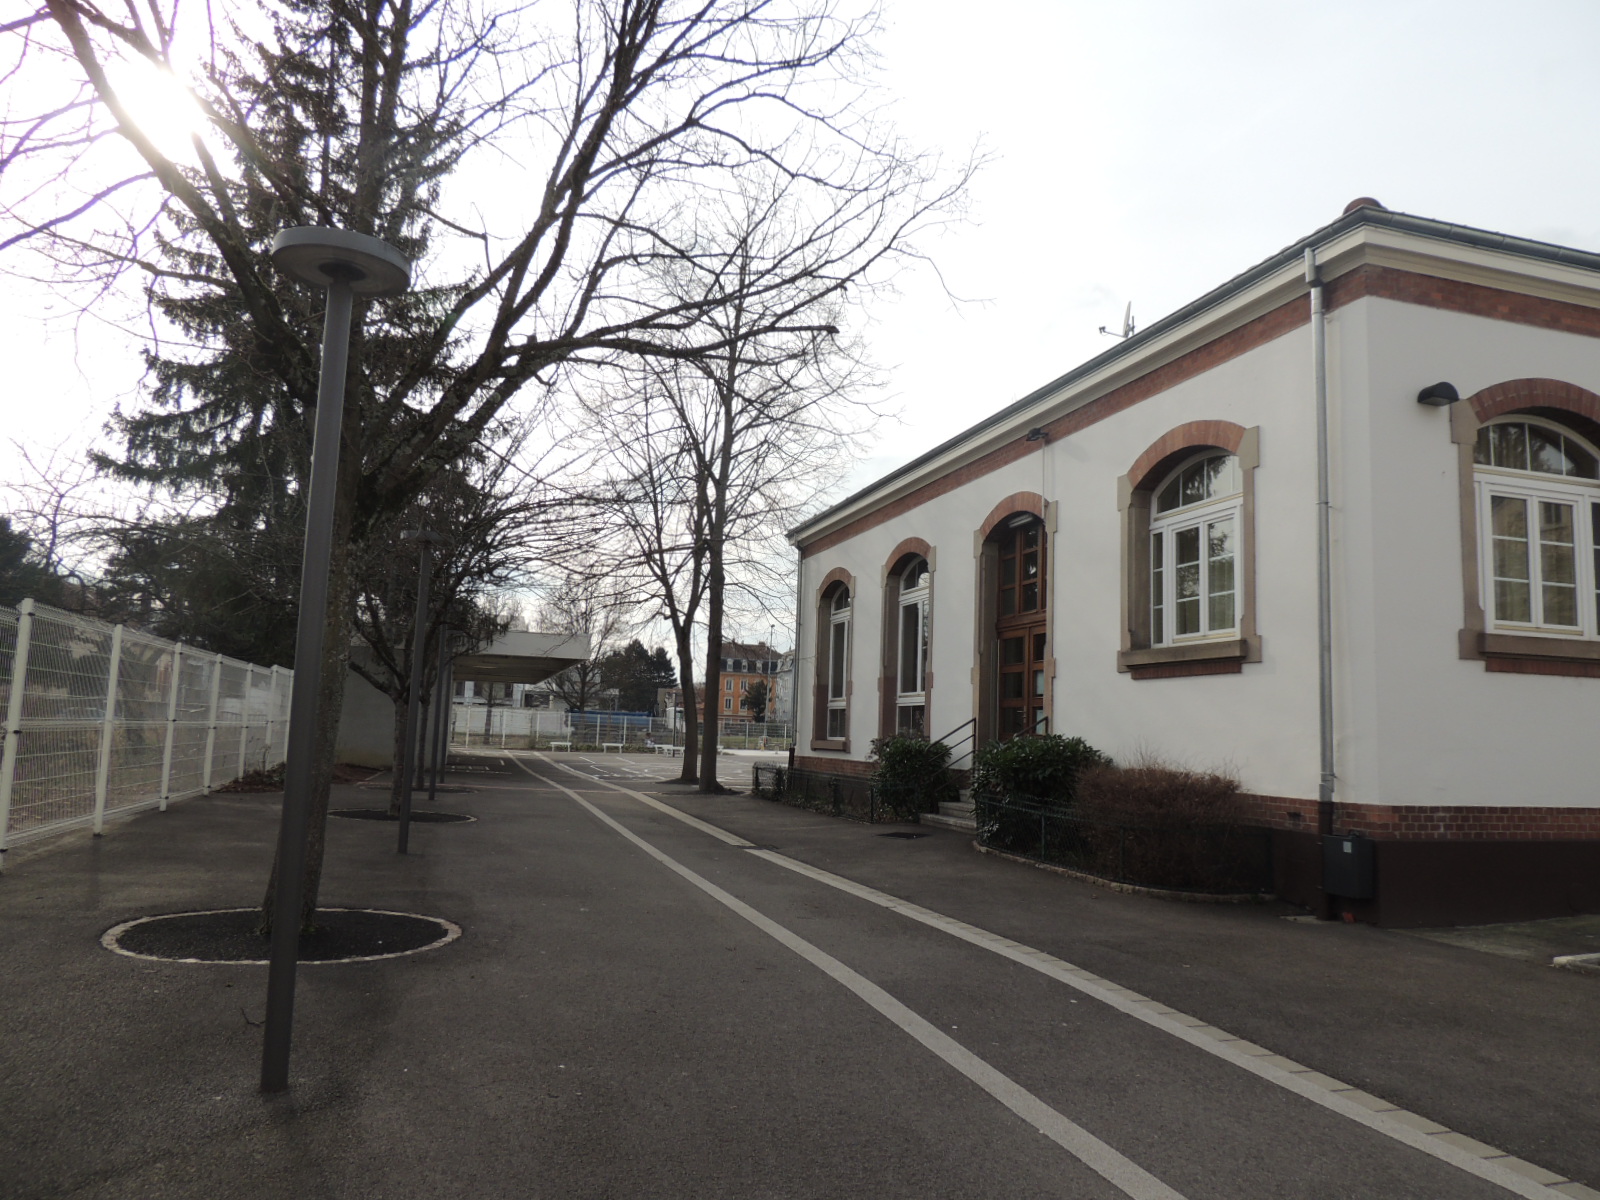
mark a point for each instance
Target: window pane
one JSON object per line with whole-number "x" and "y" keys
{"x": 1030, "y": 537}
{"x": 1558, "y": 564}
{"x": 1594, "y": 533}
{"x": 842, "y": 600}
{"x": 1038, "y": 683}
{"x": 1513, "y": 596}
{"x": 836, "y": 662}
{"x": 1011, "y": 721}
{"x": 910, "y": 648}
{"x": 1582, "y": 463}
{"x": 1011, "y": 651}
{"x": 1168, "y": 497}
{"x": 1219, "y": 574}
{"x": 910, "y": 718}
{"x": 836, "y": 723}
{"x": 1223, "y": 476}
{"x": 1545, "y": 453}
{"x": 1008, "y": 601}
{"x": 1186, "y": 579}
{"x": 1030, "y": 565}
{"x": 1038, "y": 647}
{"x": 1030, "y": 597}
{"x": 1011, "y": 685}
{"x": 1158, "y": 583}
{"x": 1192, "y": 485}
{"x": 1481, "y": 453}
{"x": 1510, "y": 446}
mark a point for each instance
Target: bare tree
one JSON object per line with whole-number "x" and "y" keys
{"x": 385, "y": 117}
{"x": 585, "y": 605}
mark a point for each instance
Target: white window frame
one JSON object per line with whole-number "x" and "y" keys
{"x": 1532, "y": 487}
{"x": 916, "y": 600}
{"x": 1165, "y": 529}
{"x": 838, "y": 666}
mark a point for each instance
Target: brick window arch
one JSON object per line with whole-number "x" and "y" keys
{"x": 1530, "y": 526}
{"x": 1188, "y": 553}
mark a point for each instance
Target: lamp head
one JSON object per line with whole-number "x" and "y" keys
{"x": 313, "y": 254}
{"x": 1438, "y": 395}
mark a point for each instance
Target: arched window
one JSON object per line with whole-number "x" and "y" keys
{"x": 1537, "y": 490}
{"x": 911, "y": 648}
{"x": 838, "y": 665}
{"x": 1194, "y": 551}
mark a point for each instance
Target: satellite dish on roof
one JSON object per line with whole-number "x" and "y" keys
{"x": 1127, "y": 324}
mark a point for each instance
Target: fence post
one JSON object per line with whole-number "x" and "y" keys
{"x": 172, "y": 724}
{"x": 13, "y": 729}
{"x": 244, "y": 717}
{"x": 108, "y": 731}
{"x": 272, "y": 717}
{"x": 211, "y": 722}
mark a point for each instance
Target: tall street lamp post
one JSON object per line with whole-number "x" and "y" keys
{"x": 419, "y": 645}
{"x": 348, "y": 265}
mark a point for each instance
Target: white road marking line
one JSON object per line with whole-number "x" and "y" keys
{"x": 1117, "y": 1169}
{"x": 1498, "y": 1167}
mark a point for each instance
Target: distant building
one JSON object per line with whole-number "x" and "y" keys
{"x": 743, "y": 664}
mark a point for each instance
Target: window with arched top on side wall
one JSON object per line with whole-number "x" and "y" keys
{"x": 830, "y": 726}
{"x": 1188, "y": 548}
{"x": 1530, "y": 499}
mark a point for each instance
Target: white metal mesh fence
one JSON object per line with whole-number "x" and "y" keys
{"x": 101, "y": 719}
{"x": 544, "y": 729}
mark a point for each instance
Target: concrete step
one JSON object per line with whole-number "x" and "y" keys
{"x": 952, "y": 814}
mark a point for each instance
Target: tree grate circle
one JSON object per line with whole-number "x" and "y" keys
{"x": 229, "y": 935}
{"x": 418, "y": 816}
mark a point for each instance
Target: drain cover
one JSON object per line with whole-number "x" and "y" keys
{"x": 904, "y": 837}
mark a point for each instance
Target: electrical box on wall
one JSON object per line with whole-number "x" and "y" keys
{"x": 1349, "y": 866}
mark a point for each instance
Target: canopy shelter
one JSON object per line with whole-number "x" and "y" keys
{"x": 520, "y": 656}
{"x": 367, "y": 721}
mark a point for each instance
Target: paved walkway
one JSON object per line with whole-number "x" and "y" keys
{"x": 660, "y": 994}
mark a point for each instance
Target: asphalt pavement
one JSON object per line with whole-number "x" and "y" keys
{"x": 664, "y": 994}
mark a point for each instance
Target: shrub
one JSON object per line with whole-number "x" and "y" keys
{"x": 913, "y": 773}
{"x": 1152, "y": 793}
{"x": 1165, "y": 826}
{"x": 1045, "y": 767}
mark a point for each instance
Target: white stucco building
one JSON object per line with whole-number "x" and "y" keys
{"x": 1131, "y": 554}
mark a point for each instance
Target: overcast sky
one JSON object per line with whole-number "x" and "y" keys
{"x": 1142, "y": 152}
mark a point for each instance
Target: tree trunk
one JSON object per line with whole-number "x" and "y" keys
{"x": 691, "y": 718}
{"x": 708, "y": 744}
{"x": 400, "y": 703}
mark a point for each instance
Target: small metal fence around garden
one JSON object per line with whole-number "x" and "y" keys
{"x": 101, "y": 719}
{"x": 847, "y": 796}
{"x": 1218, "y": 859}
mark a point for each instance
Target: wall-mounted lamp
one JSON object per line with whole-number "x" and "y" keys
{"x": 1438, "y": 395}
{"x": 1037, "y": 434}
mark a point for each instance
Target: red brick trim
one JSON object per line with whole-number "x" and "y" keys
{"x": 1387, "y": 283}
{"x": 1474, "y": 299}
{"x": 836, "y": 766}
{"x": 910, "y": 545}
{"x": 1224, "y": 435}
{"x": 1226, "y": 666}
{"x": 837, "y": 575}
{"x": 1542, "y": 666}
{"x": 1016, "y": 502}
{"x": 1427, "y": 822}
{"x": 1516, "y": 394}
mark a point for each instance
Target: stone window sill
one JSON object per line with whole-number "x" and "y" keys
{"x": 1237, "y": 650}
{"x": 1530, "y": 653}
{"x": 841, "y": 745}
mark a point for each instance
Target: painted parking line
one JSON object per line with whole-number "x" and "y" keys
{"x": 1116, "y": 1168}
{"x": 1486, "y": 1162}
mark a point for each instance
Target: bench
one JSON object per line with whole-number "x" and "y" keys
{"x": 673, "y": 751}
{"x": 606, "y": 746}
{"x": 561, "y": 745}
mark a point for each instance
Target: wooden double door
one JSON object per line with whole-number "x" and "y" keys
{"x": 1022, "y": 604}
